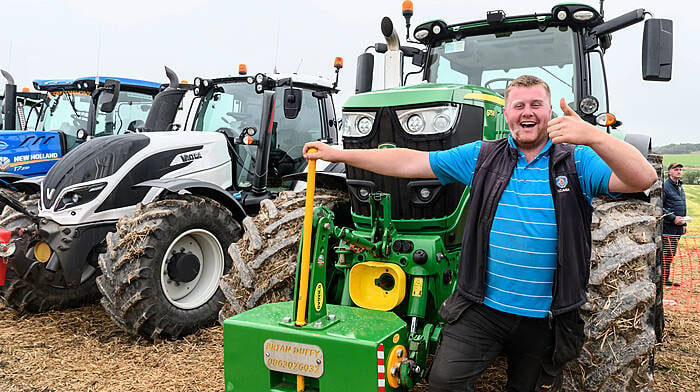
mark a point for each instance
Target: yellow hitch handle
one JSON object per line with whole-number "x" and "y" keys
{"x": 306, "y": 252}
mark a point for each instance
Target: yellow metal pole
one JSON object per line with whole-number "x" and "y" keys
{"x": 306, "y": 252}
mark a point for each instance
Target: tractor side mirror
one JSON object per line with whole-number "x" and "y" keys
{"x": 292, "y": 102}
{"x": 110, "y": 95}
{"x": 364, "y": 74}
{"x": 657, "y": 50}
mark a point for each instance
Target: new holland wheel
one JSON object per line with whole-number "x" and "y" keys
{"x": 265, "y": 258}
{"x": 47, "y": 292}
{"x": 621, "y": 310}
{"x": 163, "y": 266}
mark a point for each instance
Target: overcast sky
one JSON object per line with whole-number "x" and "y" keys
{"x": 136, "y": 38}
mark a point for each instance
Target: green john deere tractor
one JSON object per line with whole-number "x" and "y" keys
{"x": 364, "y": 314}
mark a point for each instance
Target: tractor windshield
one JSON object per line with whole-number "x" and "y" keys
{"x": 493, "y": 60}
{"x": 67, "y": 111}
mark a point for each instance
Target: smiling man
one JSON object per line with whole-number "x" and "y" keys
{"x": 524, "y": 264}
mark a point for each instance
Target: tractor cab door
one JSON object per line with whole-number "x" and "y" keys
{"x": 290, "y": 135}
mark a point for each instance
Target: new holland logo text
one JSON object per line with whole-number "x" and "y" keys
{"x": 191, "y": 156}
{"x": 36, "y": 157}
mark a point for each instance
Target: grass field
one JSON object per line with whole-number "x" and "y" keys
{"x": 688, "y": 160}
{"x": 692, "y": 200}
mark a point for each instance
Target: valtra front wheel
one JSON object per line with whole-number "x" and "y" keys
{"x": 163, "y": 266}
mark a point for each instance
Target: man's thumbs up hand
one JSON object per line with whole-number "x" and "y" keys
{"x": 568, "y": 111}
{"x": 570, "y": 128}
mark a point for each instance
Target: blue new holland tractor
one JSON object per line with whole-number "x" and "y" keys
{"x": 73, "y": 111}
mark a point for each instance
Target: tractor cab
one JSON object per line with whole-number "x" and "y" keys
{"x": 70, "y": 102}
{"x": 265, "y": 134}
{"x": 465, "y": 70}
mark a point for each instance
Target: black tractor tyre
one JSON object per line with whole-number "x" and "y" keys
{"x": 621, "y": 312}
{"x": 30, "y": 297}
{"x": 265, "y": 258}
{"x": 163, "y": 265}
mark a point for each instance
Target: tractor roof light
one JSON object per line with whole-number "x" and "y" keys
{"x": 259, "y": 78}
{"x": 407, "y": 8}
{"x": 576, "y": 14}
{"x": 338, "y": 63}
{"x": 420, "y": 34}
{"x": 197, "y": 82}
{"x": 430, "y": 32}
{"x": 583, "y": 15}
{"x": 25, "y": 89}
{"x": 242, "y": 69}
{"x": 588, "y": 105}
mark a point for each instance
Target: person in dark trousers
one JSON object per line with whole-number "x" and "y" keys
{"x": 675, "y": 224}
{"x": 513, "y": 295}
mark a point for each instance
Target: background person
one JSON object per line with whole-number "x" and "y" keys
{"x": 674, "y": 224}
{"x": 507, "y": 296}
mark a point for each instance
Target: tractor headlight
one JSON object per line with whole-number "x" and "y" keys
{"x": 357, "y": 124}
{"x": 415, "y": 123}
{"x": 427, "y": 121}
{"x": 588, "y": 105}
{"x": 77, "y": 196}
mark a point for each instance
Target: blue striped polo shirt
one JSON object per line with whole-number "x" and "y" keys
{"x": 523, "y": 239}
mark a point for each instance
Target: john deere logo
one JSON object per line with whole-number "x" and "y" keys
{"x": 386, "y": 145}
{"x": 4, "y": 163}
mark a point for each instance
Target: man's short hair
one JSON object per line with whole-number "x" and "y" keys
{"x": 674, "y": 165}
{"x": 527, "y": 81}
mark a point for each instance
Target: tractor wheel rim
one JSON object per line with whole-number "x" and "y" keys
{"x": 195, "y": 293}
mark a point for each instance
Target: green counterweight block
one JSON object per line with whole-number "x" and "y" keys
{"x": 264, "y": 351}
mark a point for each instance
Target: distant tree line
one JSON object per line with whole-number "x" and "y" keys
{"x": 683, "y": 148}
{"x": 690, "y": 177}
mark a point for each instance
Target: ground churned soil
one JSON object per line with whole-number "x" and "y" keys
{"x": 81, "y": 350}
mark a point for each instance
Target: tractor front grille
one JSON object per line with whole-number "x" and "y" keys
{"x": 406, "y": 200}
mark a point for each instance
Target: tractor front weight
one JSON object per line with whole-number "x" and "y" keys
{"x": 378, "y": 333}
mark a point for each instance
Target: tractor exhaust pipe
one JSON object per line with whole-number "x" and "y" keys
{"x": 9, "y": 105}
{"x": 393, "y": 59}
{"x": 164, "y": 108}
